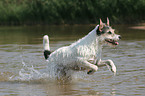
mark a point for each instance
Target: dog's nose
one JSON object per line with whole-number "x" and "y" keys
{"x": 119, "y": 37}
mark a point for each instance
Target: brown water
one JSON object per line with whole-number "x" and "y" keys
{"x": 24, "y": 72}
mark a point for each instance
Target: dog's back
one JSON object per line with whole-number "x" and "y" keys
{"x": 85, "y": 48}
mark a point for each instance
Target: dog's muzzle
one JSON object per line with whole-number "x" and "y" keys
{"x": 113, "y": 42}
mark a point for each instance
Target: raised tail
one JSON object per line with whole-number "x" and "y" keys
{"x": 46, "y": 46}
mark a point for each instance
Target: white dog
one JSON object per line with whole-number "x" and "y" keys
{"x": 85, "y": 54}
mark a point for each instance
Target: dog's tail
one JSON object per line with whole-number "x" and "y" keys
{"x": 46, "y": 46}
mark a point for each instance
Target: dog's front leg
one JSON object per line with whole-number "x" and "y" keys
{"x": 110, "y": 64}
{"x": 88, "y": 65}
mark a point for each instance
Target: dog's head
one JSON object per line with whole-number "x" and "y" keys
{"x": 107, "y": 34}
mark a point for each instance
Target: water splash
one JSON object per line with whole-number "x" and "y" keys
{"x": 29, "y": 73}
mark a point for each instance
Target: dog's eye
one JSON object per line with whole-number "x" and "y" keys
{"x": 109, "y": 32}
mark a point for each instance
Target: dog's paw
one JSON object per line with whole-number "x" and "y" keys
{"x": 113, "y": 69}
{"x": 90, "y": 72}
{"x": 111, "y": 66}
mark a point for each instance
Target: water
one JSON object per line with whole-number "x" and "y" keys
{"x": 24, "y": 72}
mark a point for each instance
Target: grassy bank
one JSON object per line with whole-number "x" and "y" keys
{"x": 20, "y": 12}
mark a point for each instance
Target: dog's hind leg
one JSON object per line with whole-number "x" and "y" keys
{"x": 63, "y": 73}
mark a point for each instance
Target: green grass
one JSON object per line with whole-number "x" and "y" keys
{"x": 30, "y": 12}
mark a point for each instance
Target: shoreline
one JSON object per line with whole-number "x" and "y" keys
{"x": 140, "y": 26}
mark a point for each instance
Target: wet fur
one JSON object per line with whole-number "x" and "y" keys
{"x": 85, "y": 54}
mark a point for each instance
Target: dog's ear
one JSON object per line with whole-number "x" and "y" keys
{"x": 100, "y": 25}
{"x": 107, "y": 21}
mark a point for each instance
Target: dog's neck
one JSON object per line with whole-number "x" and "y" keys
{"x": 90, "y": 40}
{"x": 89, "y": 45}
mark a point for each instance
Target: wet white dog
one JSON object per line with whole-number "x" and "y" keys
{"x": 85, "y": 54}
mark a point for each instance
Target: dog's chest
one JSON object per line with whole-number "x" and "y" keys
{"x": 85, "y": 51}
{"x": 95, "y": 54}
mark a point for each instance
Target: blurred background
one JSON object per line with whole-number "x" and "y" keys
{"x": 23, "y": 69}
{"x": 30, "y": 12}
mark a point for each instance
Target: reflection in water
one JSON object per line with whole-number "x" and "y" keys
{"x": 113, "y": 91}
{"x": 24, "y": 72}
{"x": 58, "y": 89}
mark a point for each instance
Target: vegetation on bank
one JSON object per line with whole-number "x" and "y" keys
{"x": 19, "y": 12}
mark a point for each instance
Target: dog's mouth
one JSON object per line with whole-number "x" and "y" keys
{"x": 113, "y": 42}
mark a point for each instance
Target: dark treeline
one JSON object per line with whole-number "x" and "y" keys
{"x": 19, "y": 12}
